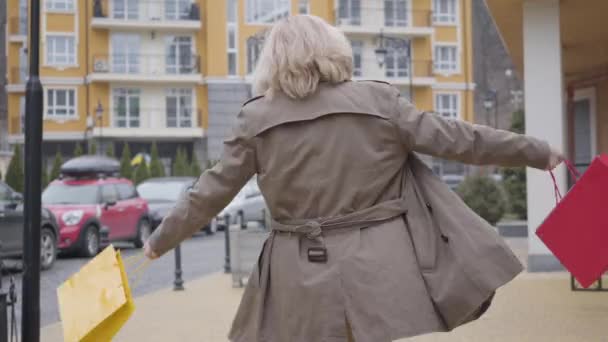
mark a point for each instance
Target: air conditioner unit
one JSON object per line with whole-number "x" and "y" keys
{"x": 100, "y": 65}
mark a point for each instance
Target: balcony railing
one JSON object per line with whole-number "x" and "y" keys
{"x": 17, "y": 26}
{"x": 139, "y": 64}
{"x": 146, "y": 10}
{"x": 155, "y": 118}
{"x": 18, "y": 75}
{"x": 398, "y": 69}
{"x": 384, "y": 17}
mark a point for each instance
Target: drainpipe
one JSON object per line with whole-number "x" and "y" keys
{"x": 86, "y": 74}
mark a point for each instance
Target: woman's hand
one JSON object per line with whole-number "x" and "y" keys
{"x": 555, "y": 158}
{"x": 149, "y": 253}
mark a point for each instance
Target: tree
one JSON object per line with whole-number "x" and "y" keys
{"x": 141, "y": 173}
{"x": 15, "y": 176}
{"x": 110, "y": 150}
{"x": 180, "y": 164}
{"x": 78, "y": 150}
{"x": 156, "y": 166}
{"x": 514, "y": 178}
{"x": 44, "y": 175}
{"x": 56, "y": 169}
{"x": 483, "y": 195}
{"x": 93, "y": 148}
{"x": 195, "y": 167}
{"x": 126, "y": 170}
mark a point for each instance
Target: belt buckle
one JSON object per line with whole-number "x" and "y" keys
{"x": 317, "y": 254}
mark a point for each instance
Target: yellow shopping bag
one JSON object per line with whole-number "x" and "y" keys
{"x": 96, "y": 302}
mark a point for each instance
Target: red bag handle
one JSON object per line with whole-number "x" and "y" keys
{"x": 573, "y": 172}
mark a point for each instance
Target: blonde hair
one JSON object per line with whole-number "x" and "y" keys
{"x": 299, "y": 52}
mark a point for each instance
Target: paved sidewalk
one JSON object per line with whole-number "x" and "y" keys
{"x": 534, "y": 307}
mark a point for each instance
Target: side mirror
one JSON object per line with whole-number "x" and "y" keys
{"x": 17, "y": 197}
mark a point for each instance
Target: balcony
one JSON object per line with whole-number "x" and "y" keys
{"x": 173, "y": 15}
{"x": 412, "y": 23}
{"x": 146, "y": 68}
{"x": 17, "y": 29}
{"x": 155, "y": 123}
{"x": 399, "y": 75}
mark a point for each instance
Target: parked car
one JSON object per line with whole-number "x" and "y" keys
{"x": 162, "y": 195}
{"x": 248, "y": 206}
{"x": 94, "y": 206}
{"x": 11, "y": 228}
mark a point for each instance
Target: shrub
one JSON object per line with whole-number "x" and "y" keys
{"x": 514, "y": 178}
{"x": 180, "y": 164}
{"x": 78, "y": 150}
{"x": 483, "y": 195}
{"x": 156, "y": 166}
{"x": 126, "y": 170}
{"x": 15, "y": 177}
{"x": 110, "y": 150}
{"x": 141, "y": 173}
{"x": 93, "y": 148}
{"x": 195, "y": 167}
{"x": 56, "y": 169}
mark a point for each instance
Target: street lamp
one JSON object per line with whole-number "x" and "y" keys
{"x": 396, "y": 43}
{"x": 516, "y": 93}
{"x": 491, "y": 102}
{"x": 99, "y": 112}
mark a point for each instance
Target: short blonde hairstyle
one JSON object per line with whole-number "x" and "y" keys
{"x": 298, "y": 53}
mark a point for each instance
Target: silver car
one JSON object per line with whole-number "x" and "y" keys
{"x": 248, "y": 206}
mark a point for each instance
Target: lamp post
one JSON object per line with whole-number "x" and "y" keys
{"x": 30, "y": 312}
{"x": 516, "y": 93}
{"x": 491, "y": 103}
{"x": 99, "y": 113}
{"x": 396, "y": 43}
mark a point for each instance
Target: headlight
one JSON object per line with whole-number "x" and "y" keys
{"x": 72, "y": 218}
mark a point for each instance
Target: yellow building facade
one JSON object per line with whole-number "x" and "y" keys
{"x": 176, "y": 71}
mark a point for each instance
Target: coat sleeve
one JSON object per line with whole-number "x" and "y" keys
{"x": 214, "y": 189}
{"x": 429, "y": 133}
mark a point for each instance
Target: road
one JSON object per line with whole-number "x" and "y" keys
{"x": 201, "y": 255}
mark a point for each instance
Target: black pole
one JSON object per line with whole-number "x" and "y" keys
{"x": 30, "y": 319}
{"x": 227, "y": 268}
{"x": 178, "y": 283}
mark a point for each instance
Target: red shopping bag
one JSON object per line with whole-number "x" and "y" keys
{"x": 576, "y": 231}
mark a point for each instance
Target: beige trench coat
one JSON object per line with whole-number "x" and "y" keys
{"x": 331, "y": 169}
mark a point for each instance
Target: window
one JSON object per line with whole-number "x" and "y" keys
{"x": 60, "y": 5}
{"x": 396, "y": 12}
{"x": 109, "y": 194}
{"x": 232, "y": 49}
{"x": 444, "y": 11}
{"x": 349, "y": 12}
{"x": 254, "y": 48}
{"x": 179, "y": 107}
{"x": 177, "y": 9}
{"x": 60, "y": 50}
{"x": 267, "y": 11}
{"x": 396, "y": 63}
{"x": 446, "y": 60}
{"x": 303, "y": 7}
{"x": 23, "y": 15}
{"x": 447, "y": 105}
{"x": 125, "y": 191}
{"x": 180, "y": 59}
{"x": 357, "y": 46}
{"x": 126, "y": 107}
{"x": 125, "y": 9}
{"x": 125, "y": 53}
{"x": 60, "y": 103}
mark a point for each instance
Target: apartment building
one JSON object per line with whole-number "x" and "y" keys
{"x": 177, "y": 71}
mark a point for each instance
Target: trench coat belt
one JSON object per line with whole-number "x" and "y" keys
{"x": 313, "y": 229}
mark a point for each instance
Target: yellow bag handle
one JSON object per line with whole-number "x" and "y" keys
{"x": 139, "y": 266}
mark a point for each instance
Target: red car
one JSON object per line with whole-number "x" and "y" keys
{"x": 93, "y": 206}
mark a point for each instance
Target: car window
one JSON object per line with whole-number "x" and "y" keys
{"x": 108, "y": 193}
{"x": 5, "y": 193}
{"x": 59, "y": 193}
{"x": 125, "y": 191}
{"x": 169, "y": 191}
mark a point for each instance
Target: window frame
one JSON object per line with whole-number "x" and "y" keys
{"x": 178, "y": 92}
{"x": 455, "y": 18}
{"x": 358, "y": 46}
{"x": 277, "y": 4}
{"x": 349, "y": 18}
{"x": 129, "y": 91}
{"x": 232, "y": 28}
{"x": 456, "y": 115}
{"x": 131, "y": 189}
{"x": 395, "y": 20}
{"x": 72, "y": 59}
{"x": 101, "y": 194}
{"x": 436, "y": 62}
{"x": 304, "y": 4}
{"x": 51, "y": 6}
{"x": 54, "y": 116}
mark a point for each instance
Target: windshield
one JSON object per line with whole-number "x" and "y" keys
{"x": 161, "y": 192}
{"x": 70, "y": 194}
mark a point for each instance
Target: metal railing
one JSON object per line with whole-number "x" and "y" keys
{"x": 17, "y": 25}
{"x": 18, "y": 75}
{"x": 154, "y": 118}
{"x": 421, "y": 68}
{"x": 378, "y": 16}
{"x": 140, "y": 64}
{"x": 150, "y": 10}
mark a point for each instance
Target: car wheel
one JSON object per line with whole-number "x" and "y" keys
{"x": 48, "y": 248}
{"x": 90, "y": 242}
{"x": 143, "y": 233}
